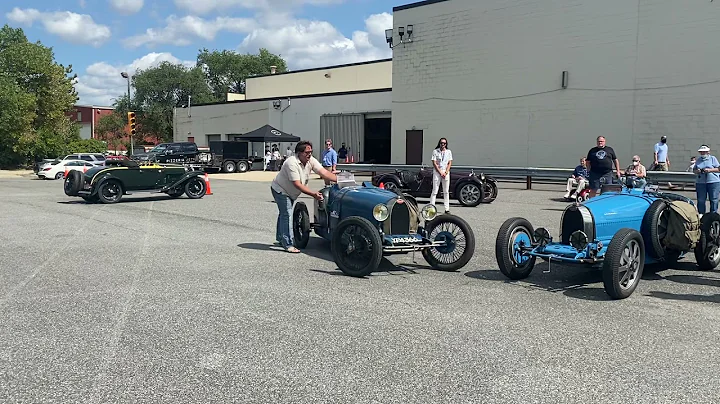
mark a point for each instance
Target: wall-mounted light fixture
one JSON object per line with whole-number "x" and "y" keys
{"x": 401, "y": 33}
{"x": 277, "y": 104}
{"x": 565, "y": 79}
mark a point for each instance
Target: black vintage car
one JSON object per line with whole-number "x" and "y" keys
{"x": 108, "y": 184}
{"x": 468, "y": 188}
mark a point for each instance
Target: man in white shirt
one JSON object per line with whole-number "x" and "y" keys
{"x": 442, "y": 161}
{"x": 287, "y": 186}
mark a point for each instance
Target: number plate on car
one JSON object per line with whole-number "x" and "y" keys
{"x": 406, "y": 239}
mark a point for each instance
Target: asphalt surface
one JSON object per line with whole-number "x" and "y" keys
{"x": 158, "y": 300}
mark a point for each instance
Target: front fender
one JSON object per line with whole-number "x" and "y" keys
{"x": 182, "y": 179}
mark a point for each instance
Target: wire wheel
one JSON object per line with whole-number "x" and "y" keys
{"x": 458, "y": 243}
{"x": 356, "y": 246}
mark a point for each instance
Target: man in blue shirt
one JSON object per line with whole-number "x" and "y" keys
{"x": 329, "y": 158}
{"x": 707, "y": 182}
{"x": 662, "y": 162}
{"x": 579, "y": 178}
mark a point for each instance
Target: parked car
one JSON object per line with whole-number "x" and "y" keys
{"x": 120, "y": 177}
{"x": 363, "y": 223}
{"x": 57, "y": 171}
{"x": 175, "y": 152}
{"x": 468, "y": 188}
{"x": 619, "y": 231}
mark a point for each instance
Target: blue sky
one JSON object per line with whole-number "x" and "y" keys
{"x": 101, "y": 38}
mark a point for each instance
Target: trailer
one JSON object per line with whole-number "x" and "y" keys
{"x": 228, "y": 156}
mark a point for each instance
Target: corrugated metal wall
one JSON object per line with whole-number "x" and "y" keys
{"x": 348, "y": 128}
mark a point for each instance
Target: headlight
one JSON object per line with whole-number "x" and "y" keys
{"x": 542, "y": 236}
{"x": 579, "y": 240}
{"x": 429, "y": 212}
{"x": 380, "y": 212}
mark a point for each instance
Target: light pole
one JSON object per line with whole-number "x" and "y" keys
{"x": 125, "y": 75}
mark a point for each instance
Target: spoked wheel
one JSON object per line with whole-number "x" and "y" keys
{"x": 470, "y": 194}
{"x": 458, "y": 243}
{"x": 707, "y": 250}
{"x": 514, "y": 236}
{"x": 195, "y": 188}
{"x": 624, "y": 263}
{"x": 491, "y": 192}
{"x": 110, "y": 191}
{"x": 301, "y": 225}
{"x": 356, "y": 246}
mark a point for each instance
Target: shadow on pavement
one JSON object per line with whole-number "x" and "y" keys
{"x": 687, "y": 297}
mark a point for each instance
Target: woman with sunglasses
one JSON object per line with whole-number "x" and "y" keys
{"x": 442, "y": 161}
{"x": 707, "y": 182}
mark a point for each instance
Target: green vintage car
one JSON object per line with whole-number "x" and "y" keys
{"x": 108, "y": 184}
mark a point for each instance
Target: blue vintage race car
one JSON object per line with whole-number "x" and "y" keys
{"x": 620, "y": 231}
{"x": 363, "y": 223}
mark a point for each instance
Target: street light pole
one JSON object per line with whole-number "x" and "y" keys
{"x": 125, "y": 75}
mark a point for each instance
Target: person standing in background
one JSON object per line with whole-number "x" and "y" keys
{"x": 662, "y": 161}
{"x": 600, "y": 160}
{"x": 707, "y": 182}
{"x": 442, "y": 161}
{"x": 342, "y": 153}
{"x": 329, "y": 159}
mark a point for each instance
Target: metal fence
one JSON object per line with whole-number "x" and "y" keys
{"x": 526, "y": 174}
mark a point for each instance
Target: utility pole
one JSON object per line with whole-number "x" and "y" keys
{"x": 125, "y": 75}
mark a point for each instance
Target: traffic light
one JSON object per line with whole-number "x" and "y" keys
{"x": 131, "y": 122}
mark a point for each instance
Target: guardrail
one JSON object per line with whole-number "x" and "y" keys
{"x": 519, "y": 173}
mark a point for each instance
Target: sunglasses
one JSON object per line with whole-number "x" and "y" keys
{"x": 443, "y": 143}
{"x": 636, "y": 161}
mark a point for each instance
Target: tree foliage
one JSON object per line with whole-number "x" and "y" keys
{"x": 36, "y": 93}
{"x": 111, "y": 129}
{"x": 227, "y": 71}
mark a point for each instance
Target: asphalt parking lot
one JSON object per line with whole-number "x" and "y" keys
{"x": 159, "y": 300}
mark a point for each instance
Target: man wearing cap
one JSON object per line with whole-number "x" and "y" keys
{"x": 662, "y": 162}
{"x": 707, "y": 182}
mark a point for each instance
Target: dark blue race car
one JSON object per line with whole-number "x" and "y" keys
{"x": 620, "y": 231}
{"x": 363, "y": 223}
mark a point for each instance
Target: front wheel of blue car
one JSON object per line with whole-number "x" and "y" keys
{"x": 456, "y": 243}
{"x": 356, "y": 246}
{"x": 624, "y": 263}
{"x": 513, "y": 241}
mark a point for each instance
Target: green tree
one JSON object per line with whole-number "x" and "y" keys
{"x": 36, "y": 93}
{"x": 111, "y": 128}
{"x": 226, "y": 71}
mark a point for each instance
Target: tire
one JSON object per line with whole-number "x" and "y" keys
{"x": 73, "y": 183}
{"x": 653, "y": 229}
{"x": 110, "y": 191}
{"x": 613, "y": 279}
{"x": 301, "y": 225}
{"x": 707, "y": 250}
{"x": 242, "y": 166}
{"x": 59, "y": 175}
{"x": 492, "y": 192}
{"x": 511, "y": 233}
{"x": 392, "y": 185}
{"x": 369, "y": 240}
{"x": 195, "y": 188}
{"x": 470, "y": 194}
{"x": 228, "y": 166}
{"x": 176, "y": 193}
{"x": 431, "y": 254}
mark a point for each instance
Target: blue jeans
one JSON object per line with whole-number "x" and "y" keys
{"x": 711, "y": 190}
{"x": 283, "y": 231}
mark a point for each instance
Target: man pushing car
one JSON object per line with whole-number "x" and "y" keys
{"x": 289, "y": 183}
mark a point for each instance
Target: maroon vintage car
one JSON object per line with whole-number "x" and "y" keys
{"x": 469, "y": 188}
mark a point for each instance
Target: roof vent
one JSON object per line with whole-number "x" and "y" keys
{"x": 272, "y": 69}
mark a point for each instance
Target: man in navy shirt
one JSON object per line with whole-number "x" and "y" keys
{"x": 579, "y": 178}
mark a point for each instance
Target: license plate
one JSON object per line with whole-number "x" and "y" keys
{"x": 406, "y": 239}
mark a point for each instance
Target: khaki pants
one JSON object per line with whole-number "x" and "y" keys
{"x": 571, "y": 182}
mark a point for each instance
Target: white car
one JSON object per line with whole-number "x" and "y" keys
{"x": 57, "y": 171}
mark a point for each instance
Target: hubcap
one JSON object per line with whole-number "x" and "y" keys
{"x": 470, "y": 193}
{"x": 195, "y": 188}
{"x": 519, "y": 238}
{"x": 629, "y": 264}
{"x": 111, "y": 192}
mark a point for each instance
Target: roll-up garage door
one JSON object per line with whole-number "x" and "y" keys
{"x": 348, "y": 128}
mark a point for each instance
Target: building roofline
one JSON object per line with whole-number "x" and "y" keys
{"x": 367, "y": 62}
{"x": 417, "y": 4}
{"x": 374, "y": 90}
{"x": 92, "y": 106}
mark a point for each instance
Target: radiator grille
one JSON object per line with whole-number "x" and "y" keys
{"x": 400, "y": 219}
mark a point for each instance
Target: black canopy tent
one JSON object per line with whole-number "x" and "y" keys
{"x": 267, "y": 134}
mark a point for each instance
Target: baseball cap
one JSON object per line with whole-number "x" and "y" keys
{"x": 704, "y": 148}
{"x": 663, "y": 137}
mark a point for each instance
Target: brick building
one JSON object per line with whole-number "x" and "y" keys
{"x": 488, "y": 75}
{"x": 88, "y": 116}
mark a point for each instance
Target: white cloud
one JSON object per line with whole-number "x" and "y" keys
{"x": 102, "y": 84}
{"x": 127, "y": 7}
{"x": 182, "y": 31}
{"x": 72, "y": 27}
{"x": 306, "y": 44}
{"x": 207, "y": 6}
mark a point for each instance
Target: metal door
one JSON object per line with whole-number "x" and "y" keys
{"x": 413, "y": 147}
{"x": 347, "y": 128}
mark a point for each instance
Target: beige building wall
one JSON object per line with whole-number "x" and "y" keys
{"x": 334, "y": 79}
{"x": 487, "y": 76}
{"x": 220, "y": 121}
{"x": 235, "y": 97}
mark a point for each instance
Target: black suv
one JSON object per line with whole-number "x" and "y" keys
{"x": 170, "y": 153}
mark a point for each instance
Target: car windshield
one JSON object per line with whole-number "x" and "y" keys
{"x": 346, "y": 179}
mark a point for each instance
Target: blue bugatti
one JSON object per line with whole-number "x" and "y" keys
{"x": 364, "y": 223}
{"x": 620, "y": 231}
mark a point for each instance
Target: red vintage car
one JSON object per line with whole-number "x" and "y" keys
{"x": 469, "y": 188}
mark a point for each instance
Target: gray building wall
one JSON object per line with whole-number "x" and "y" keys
{"x": 487, "y": 75}
{"x": 298, "y": 116}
